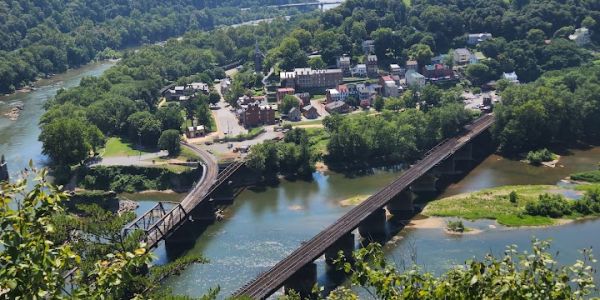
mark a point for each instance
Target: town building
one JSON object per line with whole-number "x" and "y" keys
{"x": 359, "y": 70}
{"x": 395, "y": 69}
{"x": 310, "y": 112}
{"x": 372, "y": 69}
{"x": 368, "y": 47}
{"x": 343, "y": 63}
{"x": 581, "y": 37}
{"x": 474, "y": 39}
{"x": 438, "y": 72}
{"x": 412, "y": 65}
{"x": 294, "y": 114}
{"x": 225, "y": 85}
{"x": 184, "y": 92}
{"x": 307, "y": 78}
{"x": 338, "y": 107}
{"x": 461, "y": 56}
{"x": 304, "y": 97}
{"x": 333, "y": 95}
{"x": 414, "y": 79}
{"x": 195, "y": 131}
{"x": 255, "y": 114}
{"x": 512, "y": 77}
{"x": 389, "y": 87}
{"x": 281, "y": 92}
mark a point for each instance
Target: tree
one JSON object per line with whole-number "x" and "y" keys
{"x": 33, "y": 263}
{"x": 317, "y": 63}
{"x": 69, "y": 141}
{"x": 214, "y": 97}
{"x": 291, "y": 55}
{"x": 588, "y": 22}
{"x": 421, "y": 53}
{"x": 536, "y": 36}
{"x": 144, "y": 128}
{"x": 288, "y": 102}
{"x": 379, "y": 103}
{"x": 478, "y": 74}
{"x": 170, "y": 117}
{"x": 169, "y": 140}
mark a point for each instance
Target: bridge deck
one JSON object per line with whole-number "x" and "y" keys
{"x": 267, "y": 283}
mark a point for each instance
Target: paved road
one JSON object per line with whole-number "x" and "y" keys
{"x": 132, "y": 160}
{"x": 227, "y": 122}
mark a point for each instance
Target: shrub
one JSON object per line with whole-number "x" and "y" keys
{"x": 589, "y": 204}
{"x": 553, "y": 206}
{"x": 592, "y": 176}
{"x": 513, "y": 197}
{"x": 455, "y": 226}
{"x": 537, "y": 157}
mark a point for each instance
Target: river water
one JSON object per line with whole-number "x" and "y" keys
{"x": 19, "y": 139}
{"x": 265, "y": 225}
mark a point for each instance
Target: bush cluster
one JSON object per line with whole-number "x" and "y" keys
{"x": 556, "y": 206}
{"x": 131, "y": 179}
{"x": 591, "y": 176}
{"x": 539, "y": 156}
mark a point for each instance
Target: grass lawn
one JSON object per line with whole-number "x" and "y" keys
{"x": 493, "y": 204}
{"x": 116, "y": 146}
{"x": 587, "y": 187}
{"x": 308, "y": 122}
{"x": 318, "y": 138}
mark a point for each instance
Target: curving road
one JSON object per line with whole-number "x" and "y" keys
{"x": 175, "y": 217}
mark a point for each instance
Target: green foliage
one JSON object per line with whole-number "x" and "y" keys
{"x": 287, "y": 103}
{"x": 553, "y": 206}
{"x": 560, "y": 107}
{"x": 291, "y": 157}
{"x": 530, "y": 275}
{"x": 537, "y": 157}
{"x": 131, "y": 179}
{"x": 391, "y": 136}
{"x": 70, "y": 141}
{"x": 34, "y": 255}
{"x": 591, "y": 176}
{"x": 478, "y": 74}
{"x": 40, "y": 38}
{"x": 170, "y": 141}
{"x": 513, "y": 197}
{"x": 455, "y": 226}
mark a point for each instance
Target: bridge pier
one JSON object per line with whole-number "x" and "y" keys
{"x": 465, "y": 153}
{"x": 303, "y": 281}
{"x": 345, "y": 244}
{"x": 425, "y": 183}
{"x": 447, "y": 167}
{"x": 205, "y": 212}
{"x": 402, "y": 206}
{"x": 374, "y": 225}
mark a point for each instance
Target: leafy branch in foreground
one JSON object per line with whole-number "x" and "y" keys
{"x": 526, "y": 275}
{"x": 33, "y": 262}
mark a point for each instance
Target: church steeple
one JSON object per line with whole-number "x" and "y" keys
{"x": 258, "y": 58}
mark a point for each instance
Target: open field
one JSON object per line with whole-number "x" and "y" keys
{"x": 116, "y": 146}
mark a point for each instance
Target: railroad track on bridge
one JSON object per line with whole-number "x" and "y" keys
{"x": 270, "y": 281}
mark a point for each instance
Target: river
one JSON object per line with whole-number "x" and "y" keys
{"x": 19, "y": 139}
{"x": 265, "y": 225}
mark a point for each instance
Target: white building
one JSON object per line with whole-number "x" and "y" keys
{"x": 414, "y": 79}
{"x": 475, "y": 38}
{"x": 360, "y": 70}
{"x": 462, "y": 56}
{"x": 581, "y": 37}
{"x": 395, "y": 69}
{"x": 512, "y": 77}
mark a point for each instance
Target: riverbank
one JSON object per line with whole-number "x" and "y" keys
{"x": 507, "y": 205}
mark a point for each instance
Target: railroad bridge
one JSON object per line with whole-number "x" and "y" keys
{"x": 299, "y": 272}
{"x": 165, "y": 221}
{"x": 321, "y": 5}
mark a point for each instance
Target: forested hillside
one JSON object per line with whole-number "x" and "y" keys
{"x": 530, "y": 37}
{"x": 43, "y": 37}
